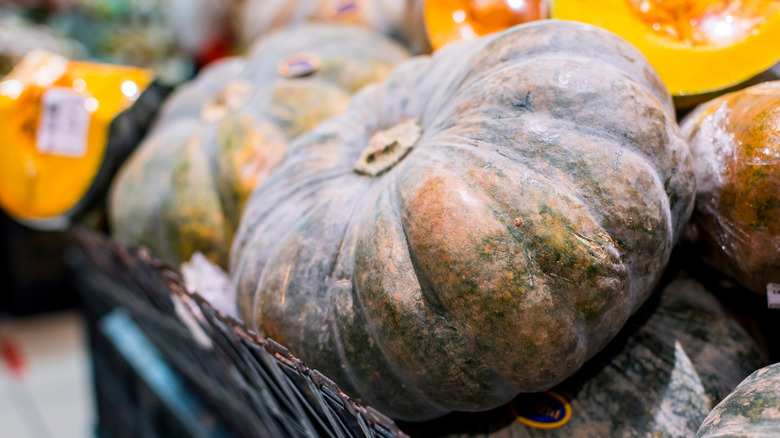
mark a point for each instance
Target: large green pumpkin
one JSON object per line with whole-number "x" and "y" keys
{"x": 677, "y": 357}
{"x": 752, "y": 410}
{"x": 218, "y": 137}
{"x": 478, "y": 225}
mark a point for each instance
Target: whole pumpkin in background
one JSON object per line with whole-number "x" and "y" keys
{"x": 218, "y": 137}
{"x": 401, "y": 19}
{"x": 735, "y": 144}
{"x": 477, "y": 225}
{"x": 448, "y": 21}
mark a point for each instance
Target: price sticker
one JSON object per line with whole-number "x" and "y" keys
{"x": 63, "y": 126}
{"x": 299, "y": 65}
{"x": 544, "y": 410}
{"x": 773, "y": 295}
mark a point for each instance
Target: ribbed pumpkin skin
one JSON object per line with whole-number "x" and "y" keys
{"x": 533, "y": 216}
{"x": 735, "y": 144}
{"x": 678, "y": 356}
{"x": 752, "y": 410}
{"x": 184, "y": 189}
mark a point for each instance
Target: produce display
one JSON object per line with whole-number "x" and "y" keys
{"x": 752, "y": 410}
{"x": 401, "y": 19}
{"x": 696, "y": 46}
{"x": 218, "y": 137}
{"x": 673, "y": 361}
{"x": 477, "y": 225}
{"x": 469, "y": 242}
{"x": 735, "y": 144}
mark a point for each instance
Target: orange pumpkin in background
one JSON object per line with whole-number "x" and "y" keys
{"x": 448, "y": 21}
{"x": 735, "y": 144}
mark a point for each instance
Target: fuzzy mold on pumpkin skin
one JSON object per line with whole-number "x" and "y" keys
{"x": 735, "y": 144}
{"x": 697, "y": 46}
{"x": 535, "y": 212}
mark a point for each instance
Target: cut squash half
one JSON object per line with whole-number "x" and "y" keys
{"x": 697, "y": 46}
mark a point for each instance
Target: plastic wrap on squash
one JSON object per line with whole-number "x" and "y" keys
{"x": 64, "y": 128}
{"x": 735, "y": 143}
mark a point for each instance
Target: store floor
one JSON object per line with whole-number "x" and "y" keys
{"x": 45, "y": 387}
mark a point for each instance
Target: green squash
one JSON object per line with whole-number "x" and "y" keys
{"x": 478, "y": 225}
{"x": 752, "y": 410}
{"x": 221, "y": 135}
{"x": 673, "y": 361}
{"x": 401, "y": 19}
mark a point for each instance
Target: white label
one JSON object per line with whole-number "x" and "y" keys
{"x": 64, "y": 123}
{"x": 773, "y": 295}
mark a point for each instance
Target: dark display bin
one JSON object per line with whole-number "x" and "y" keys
{"x": 33, "y": 276}
{"x": 153, "y": 377}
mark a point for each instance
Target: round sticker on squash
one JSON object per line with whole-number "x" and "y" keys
{"x": 299, "y": 64}
{"x": 542, "y": 410}
{"x": 343, "y": 11}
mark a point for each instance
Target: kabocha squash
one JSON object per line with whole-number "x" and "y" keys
{"x": 476, "y": 226}
{"x": 184, "y": 189}
{"x": 674, "y": 360}
{"x": 752, "y": 410}
{"x": 697, "y": 46}
{"x": 735, "y": 144}
{"x": 401, "y": 19}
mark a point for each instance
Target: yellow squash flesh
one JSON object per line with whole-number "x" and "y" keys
{"x": 697, "y": 46}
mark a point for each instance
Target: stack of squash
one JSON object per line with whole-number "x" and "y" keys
{"x": 483, "y": 222}
{"x": 218, "y": 137}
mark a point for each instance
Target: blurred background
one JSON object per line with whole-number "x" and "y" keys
{"x": 45, "y": 372}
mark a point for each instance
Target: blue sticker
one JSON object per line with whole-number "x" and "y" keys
{"x": 348, "y": 7}
{"x": 299, "y": 65}
{"x": 542, "y": 410}
{"x": 345, "y": 11}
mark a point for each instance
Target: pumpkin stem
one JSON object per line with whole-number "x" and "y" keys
{"x": 388, "y": 147}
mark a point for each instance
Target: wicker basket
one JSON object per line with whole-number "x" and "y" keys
{"x": 252, "y": 386}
